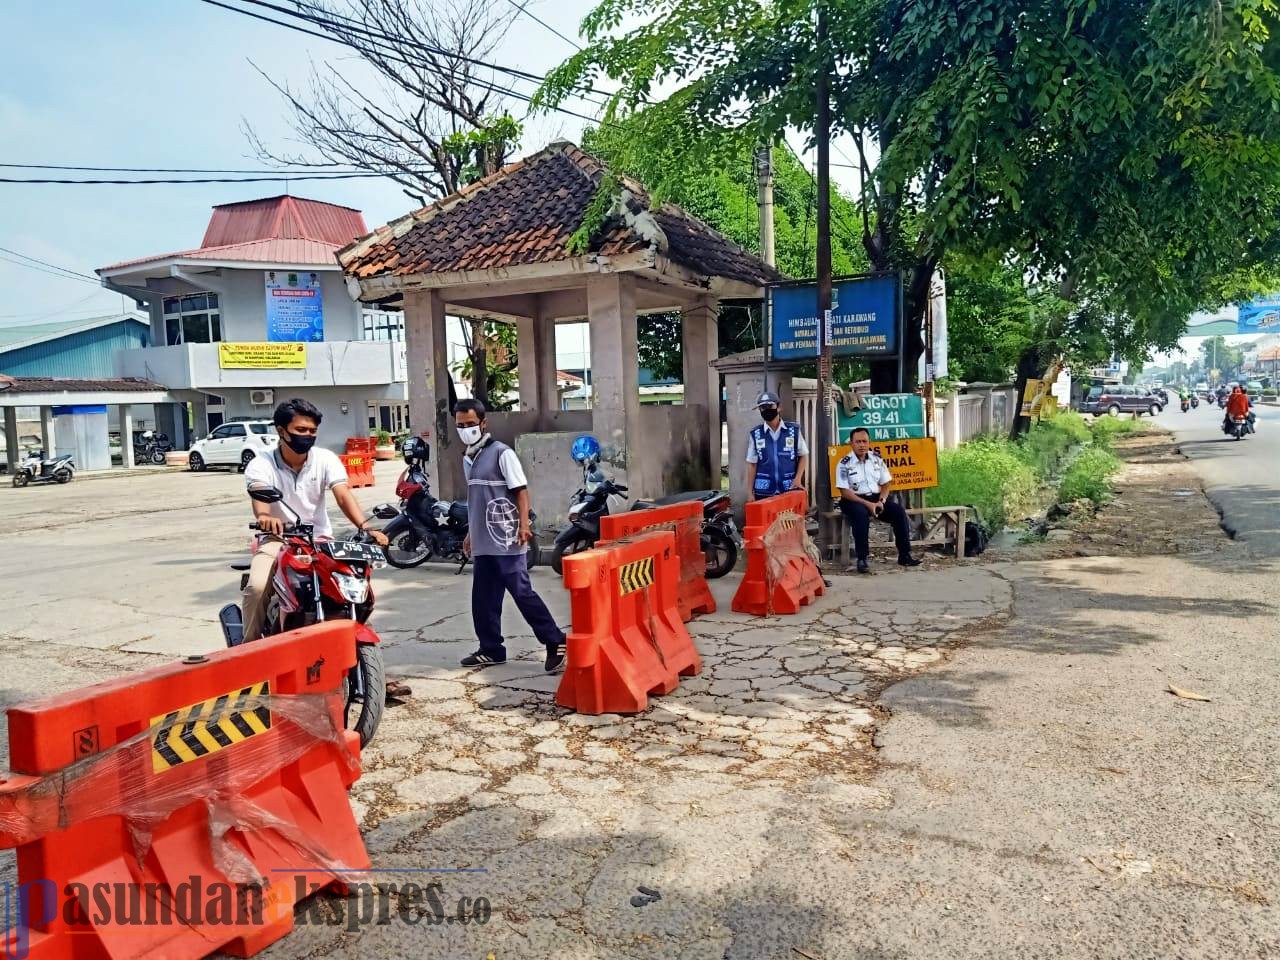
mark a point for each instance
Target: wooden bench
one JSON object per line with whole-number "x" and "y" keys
{"x": 930, "y": 527}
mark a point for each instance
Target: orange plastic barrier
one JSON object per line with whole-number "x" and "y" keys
{"x": 361, "y": 445}
{"x": 781, "y": 576}
{"x": 685, "y": 521}
{"x": 627, "y": 639}
{"x": 140, "y": 804}
{"x": 359, "y": 468}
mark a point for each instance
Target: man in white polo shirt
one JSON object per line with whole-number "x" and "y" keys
{"x": 305, "y": 476}
{"x": 863, "y": 481}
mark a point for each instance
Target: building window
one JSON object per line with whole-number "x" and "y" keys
{"x": 383, "y": 325}
{"x": 194, "y": 318}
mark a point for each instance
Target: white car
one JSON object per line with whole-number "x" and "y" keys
{"x": 233, "y": 444}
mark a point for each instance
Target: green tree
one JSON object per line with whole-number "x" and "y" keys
{"x": 1117, "y": 154}
{"x": 1219, "y": 355}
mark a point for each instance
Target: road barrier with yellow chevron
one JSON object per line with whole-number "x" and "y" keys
{"x": 226, "y": 771}
{"x": 782, "y": 573}
{"x": 685, "y": 521}
{"x": 628, "y": 641}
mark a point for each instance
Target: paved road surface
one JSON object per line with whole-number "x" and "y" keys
{"x": 1241, "y": 477}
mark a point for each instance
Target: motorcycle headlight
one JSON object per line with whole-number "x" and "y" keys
{"x": 353, "y": 589}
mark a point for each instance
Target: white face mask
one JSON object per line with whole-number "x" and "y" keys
{"x": 470, "y": 435}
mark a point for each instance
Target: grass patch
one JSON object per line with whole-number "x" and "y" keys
{"x": 1043, "y": 447}
{"x": 987, "y": 473}
{"x": 1089, "y": 476}
{"x": 1106, "y": 429}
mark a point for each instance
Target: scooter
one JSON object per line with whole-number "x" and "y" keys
{"x": 719, "y": 535}
{"x": 1186, "y": 404}
{"x": 35, "y": 468}
{"x": 423, "y": 528}
{"x": 1238, "y": 428}
{"x": 588, "y": 504}
{"x": 1195, "y": 401}
{"x": 314, "y": 582}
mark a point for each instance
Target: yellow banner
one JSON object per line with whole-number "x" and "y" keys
{"x": 1031, "y": 398}
{"x": 913, "y": 462}
{"x": 262, "y": 356}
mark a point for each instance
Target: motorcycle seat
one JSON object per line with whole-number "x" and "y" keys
{"x": 684, "y": 497}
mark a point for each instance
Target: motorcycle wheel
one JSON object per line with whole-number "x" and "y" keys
{"x": 562, "y": 550}
{"x": 721, "y": 552}
{"x": 157, "y": 458}
{"x": 364, "y": 713}
{"x": 20, "y": 479}
{"x": 62, "y": 476}
{"x": 407, "y": 550}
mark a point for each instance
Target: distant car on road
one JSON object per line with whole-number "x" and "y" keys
{"x": 233, "y": 444}
{"x": 1120, "y": 398}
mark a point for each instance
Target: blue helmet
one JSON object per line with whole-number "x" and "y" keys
{"x": 585, "y": 448}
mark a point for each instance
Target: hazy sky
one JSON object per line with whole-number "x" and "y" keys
{"x": 165, "y": 84}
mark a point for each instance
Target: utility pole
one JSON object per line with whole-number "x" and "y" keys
{"x": 822, "y": 133}
{"x": 764, "y": 201}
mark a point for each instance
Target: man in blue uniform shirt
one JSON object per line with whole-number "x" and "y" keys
{"x": 864, "y": 481}
{"x": 776, "y": 452}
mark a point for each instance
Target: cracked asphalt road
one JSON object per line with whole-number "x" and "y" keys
{"x": 977, "y": 760}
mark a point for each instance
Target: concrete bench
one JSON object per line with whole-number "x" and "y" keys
{"x": 930, "y": 527}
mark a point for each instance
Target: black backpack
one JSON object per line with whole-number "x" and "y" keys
{"x": 975, "y": 538}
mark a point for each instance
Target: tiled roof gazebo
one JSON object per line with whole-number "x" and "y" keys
{"x": 500, "y": 248}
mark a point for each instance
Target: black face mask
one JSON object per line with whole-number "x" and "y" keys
{"x": 299, "y": 444}
{"x": 767, "y": 414}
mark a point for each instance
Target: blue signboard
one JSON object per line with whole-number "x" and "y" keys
{"x": 295, "y": 307}
{"x": 1261, "y": 316}
{"x": 864, "y": 318}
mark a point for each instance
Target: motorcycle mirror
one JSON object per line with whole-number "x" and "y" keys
{"x": 266, "y": 494}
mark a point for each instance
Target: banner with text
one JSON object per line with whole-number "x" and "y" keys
{"x": 913, "y": 463}
{"x": 864, "y": 318}
{"x": 295, "y": 307}
{"x": 262, "y": 356}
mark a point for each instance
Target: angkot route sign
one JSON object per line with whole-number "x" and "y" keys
{"x": 886, "y": 416}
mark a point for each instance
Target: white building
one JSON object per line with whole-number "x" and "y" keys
{"x": 260, "y": 312}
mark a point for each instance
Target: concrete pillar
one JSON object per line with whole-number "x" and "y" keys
{"x": 427, "y": 353}
{"x": 615, "y": 373}
{"x": 11, "y": 438}
{"x": 536, "y": 339}
{"x": 126, "y": 437}
{"x": 46, "y": 430}
{"x": 700, "y": 342}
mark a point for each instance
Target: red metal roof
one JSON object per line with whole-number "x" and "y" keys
{"x": 283, "y": 217}
{"x": 290, "y": 231}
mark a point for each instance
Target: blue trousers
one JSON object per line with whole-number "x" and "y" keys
{"x": 491, "y": 579}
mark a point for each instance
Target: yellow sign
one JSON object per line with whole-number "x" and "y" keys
{"x": 262, "y": 356}
{"x": 634, "y": 576}
{"x": 1031, "y": 397}
{"x": 913, "y": 462}
{"x": 209, "y": 726}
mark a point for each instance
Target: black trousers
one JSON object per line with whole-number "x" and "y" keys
{"x": 491, "y": 579}
{"x": 859, "y": 518}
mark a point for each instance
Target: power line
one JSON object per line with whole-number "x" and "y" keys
{"x": 284, "y": 179}
{"x": 45, "y": 263}
{"x": 43, "y": 314}
{"x": 61, "y": 166}
{"x": 524, "y": 8}
{"x": 61, "y": 276}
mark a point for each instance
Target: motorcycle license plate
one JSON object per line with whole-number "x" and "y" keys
{"x": 358, "y": 552}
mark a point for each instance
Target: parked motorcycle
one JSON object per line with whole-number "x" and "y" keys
{"x": 587, "y": 505}
{"x": 36, "y": 468}
{"x": 150, "y": 447}
{"x": 317, "y": 581}
{"x": 718, "y": 536}
{"x": 423, "y": 528}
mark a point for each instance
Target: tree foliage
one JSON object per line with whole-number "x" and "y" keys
{"x": 1123, "y": 155}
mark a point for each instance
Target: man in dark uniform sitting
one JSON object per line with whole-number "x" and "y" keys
{"x": 864, "y": 481}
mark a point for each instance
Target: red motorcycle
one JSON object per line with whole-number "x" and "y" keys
{"x": 316, "y": 581}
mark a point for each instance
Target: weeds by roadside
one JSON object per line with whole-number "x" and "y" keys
{"x": 1088, "y": 477}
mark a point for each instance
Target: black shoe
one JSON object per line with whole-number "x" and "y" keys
{"x": 555, "y": 657}
{"x": 909, "y": 561}
{"x": 862, "y": 567}
{"x": 479, "y": 659}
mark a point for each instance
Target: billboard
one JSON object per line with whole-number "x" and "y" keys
{"x": 262, "y": 356}
{"x": 1261, "y": 316}
{"x": 1258, "y": 316}
{"x": 864, "y": 318}
{"x": 295, "y": 307}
